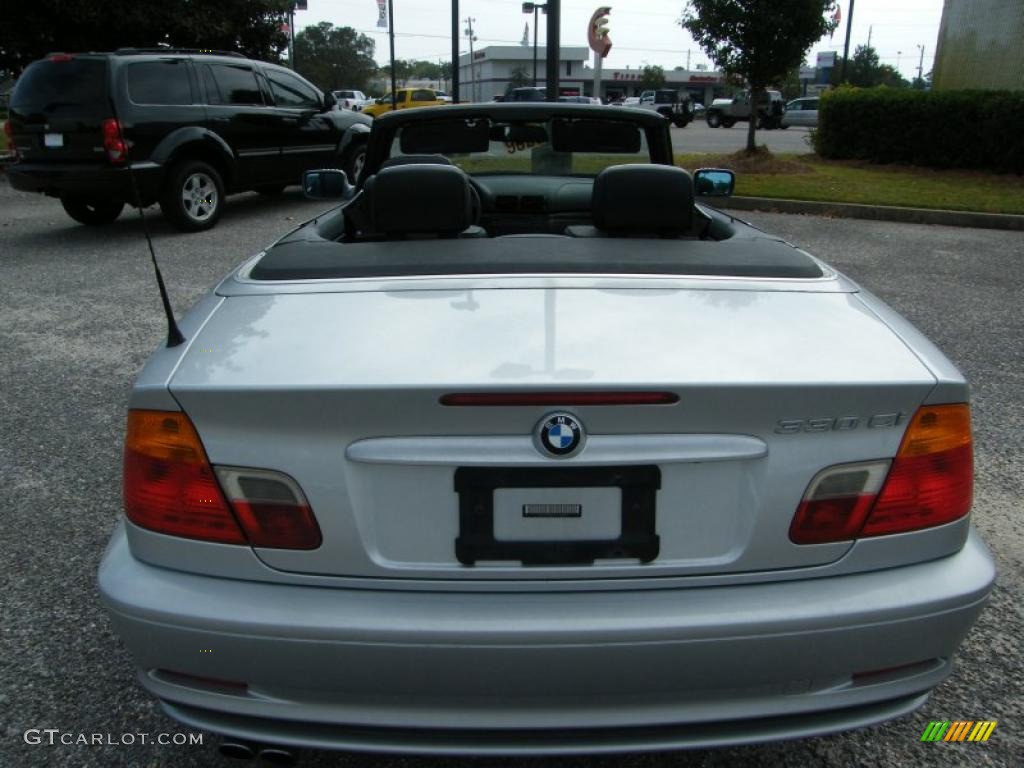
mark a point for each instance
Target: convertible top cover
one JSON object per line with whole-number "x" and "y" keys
{"x": 535, "y": 254}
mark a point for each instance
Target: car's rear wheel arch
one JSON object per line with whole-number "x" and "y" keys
{"x": 208, "y": 153}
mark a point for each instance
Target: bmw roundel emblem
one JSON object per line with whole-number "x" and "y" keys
{"x": 559, "y": 434}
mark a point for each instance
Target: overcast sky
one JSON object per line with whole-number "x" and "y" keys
{"x": 642, "y": 31}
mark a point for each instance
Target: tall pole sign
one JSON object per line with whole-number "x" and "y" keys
{"x": 600, "y": 43}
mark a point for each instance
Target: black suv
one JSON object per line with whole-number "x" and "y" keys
{"x": 195, "y": 126}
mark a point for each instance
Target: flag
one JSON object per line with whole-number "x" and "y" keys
{"x": 382, "y": 14}
{"x": 836, "y": 18}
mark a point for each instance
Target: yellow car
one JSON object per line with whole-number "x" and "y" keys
{"x": 407, "y": 98}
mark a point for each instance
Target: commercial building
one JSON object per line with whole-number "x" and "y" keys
{"x": 494, "y": 69}
{"x": 980, "y": 45}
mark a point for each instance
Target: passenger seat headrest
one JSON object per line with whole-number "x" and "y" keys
{"x": 415, "y": 160}
{"x": 421, "y": 199}
{"x": 650, "y": 199}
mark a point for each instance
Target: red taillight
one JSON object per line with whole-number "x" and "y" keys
{"x": 559, "y": 398}
{"x": 932, "y": 479}
{"x": 9, "y": 136}
{"x": 169, "y": 485}
{"x": 113, "y": 142}
{"x": 271, "y": 508}
{"x": 837, "y": 502}
{"x": 59, "y": 57}
{"x": 929, "y": 483}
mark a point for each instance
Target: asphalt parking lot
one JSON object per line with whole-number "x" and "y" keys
{"x": 697, "y": 137}
{"x": 79, "y": 314}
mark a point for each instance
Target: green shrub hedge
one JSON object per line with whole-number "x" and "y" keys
{"x": 939, "y": 129}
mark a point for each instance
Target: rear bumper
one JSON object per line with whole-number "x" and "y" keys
{"x": 544, "y": 672}
{"x": 92, "y": 179}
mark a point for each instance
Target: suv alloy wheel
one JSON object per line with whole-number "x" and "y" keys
{"x": 714, "y": 120}
{"x": 193, "y": 196}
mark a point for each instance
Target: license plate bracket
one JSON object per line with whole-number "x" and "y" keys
{"x": 475, "y": 487}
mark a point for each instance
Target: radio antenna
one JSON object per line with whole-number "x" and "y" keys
{"x": 174, "y": 336}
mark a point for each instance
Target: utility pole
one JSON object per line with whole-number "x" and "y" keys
{"x": 898, "y": 54}
{"x": 920, "y": 66}
{"x": 846, "y": 47}
{"x": 553, "y": 63}
{"x": 455, "y": 51}
{"x": 687, "y": 59}
{"x": 472, "y": 63}
{"x": 870, "y": 30}
{"x": 391, "y": 38}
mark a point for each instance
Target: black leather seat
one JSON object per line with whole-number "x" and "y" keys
{"x": 420, "y": 200}
{"x": 640, "y": 201}
{"x": 415, "y": 160}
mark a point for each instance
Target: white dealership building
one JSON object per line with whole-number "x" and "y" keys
{"x": 492, "y": 70}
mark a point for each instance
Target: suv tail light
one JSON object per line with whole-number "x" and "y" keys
{"x": 9, "y": 137}
{"x": 929, "y": 483}
{"x": 171, "y": 488}
{"x": 113, "y": 142}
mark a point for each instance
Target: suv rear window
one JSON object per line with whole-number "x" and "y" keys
{"x": 159, "y": 82}
{"x": 54, "y": 85}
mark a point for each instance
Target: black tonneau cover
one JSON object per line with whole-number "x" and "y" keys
{"x": 540, "y": 254}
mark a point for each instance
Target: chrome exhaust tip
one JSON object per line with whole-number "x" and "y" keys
{"x": 278, "y": 756}
{"x": 237, "y": 750}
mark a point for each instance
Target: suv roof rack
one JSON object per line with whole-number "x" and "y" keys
{"x": 161, "y": 49}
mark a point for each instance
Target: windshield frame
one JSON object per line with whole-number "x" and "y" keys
{"x": 385, "y": 127}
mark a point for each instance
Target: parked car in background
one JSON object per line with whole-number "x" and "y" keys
{"x": 671, "y": 482}
{"x": 192, "y": 127}
{"x": 673, "y": 105}
{"x": 580, "y": 99}
{"x": 529, "y": 93}
{"x": 443, "y": 96}
{"x": 725, "y": 113}
{"x": 801, "y": 112}
{"x": 349, "y": 99}
{"x": 407, "y": 98}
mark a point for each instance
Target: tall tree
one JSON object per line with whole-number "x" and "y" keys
{"x": 759, "y": 40}
{"x": 30, "y": 30}
{"x": 865, "y": 70}
{"x": 334, "y": 57}
{"x": 651, "y": 78}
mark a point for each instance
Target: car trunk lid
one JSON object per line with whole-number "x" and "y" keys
{"x": 343, "y": 392}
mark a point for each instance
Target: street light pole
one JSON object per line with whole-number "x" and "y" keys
{"x": 846, "y": 47}
{"x": 920, "y": 67}
{"x": 455, "y": 51}
{"x": 535, "y": 17}
{"x": 553, "y": 63}
{"x": 534, "y": 8}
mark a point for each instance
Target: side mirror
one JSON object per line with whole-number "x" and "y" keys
{"x": 329, "y": 102}
{"x": 327, "y": 184}
{"x": 714, "y": 182}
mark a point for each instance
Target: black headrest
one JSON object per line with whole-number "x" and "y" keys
{"x": 415, "y": 160}
{"x": 643, "y": 198}
{"x": 420, "y": 199}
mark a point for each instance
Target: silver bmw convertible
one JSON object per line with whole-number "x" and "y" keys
{"x": 526, "y": 448}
